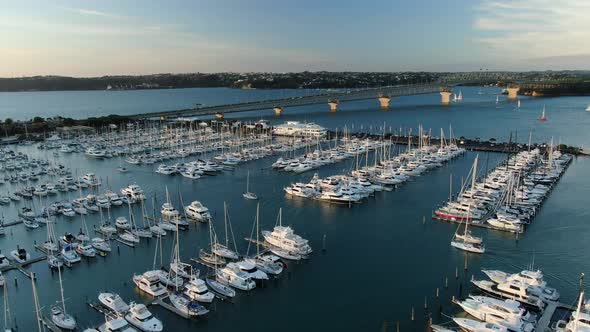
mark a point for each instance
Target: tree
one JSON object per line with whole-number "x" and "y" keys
{"x": 38, "y": 119}
{"x": 8, "y": 121}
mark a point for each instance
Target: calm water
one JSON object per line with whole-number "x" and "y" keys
{"x": 382, "y": 259}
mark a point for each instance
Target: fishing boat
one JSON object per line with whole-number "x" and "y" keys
{"x": 113, "y": 302}
{"x": 543, "y": 117}
{"x": 140, "y": 317}
{"x": 248, "y": 194}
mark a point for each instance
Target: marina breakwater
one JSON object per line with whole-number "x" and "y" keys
{"x": 472, "y": 144}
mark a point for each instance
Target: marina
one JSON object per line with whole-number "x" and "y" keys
{"x": 133, "y": 201}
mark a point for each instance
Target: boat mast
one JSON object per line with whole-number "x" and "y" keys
{"x": 225, "y": 223}
{"x": 257, "y": 231}
{"x": 61, "y": 289}
{"x": 36, "y": 302}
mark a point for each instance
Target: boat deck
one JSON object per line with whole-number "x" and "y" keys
{"x": 161, "y": 301}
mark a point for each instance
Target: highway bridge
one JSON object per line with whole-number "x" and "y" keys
{"x": 382, "y": 94}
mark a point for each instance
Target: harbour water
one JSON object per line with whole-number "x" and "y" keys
{"x": 382, "y": 257}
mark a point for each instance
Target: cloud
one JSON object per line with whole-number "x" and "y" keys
{"x": 92, "y": 12}
{"x": 534, "y": 28}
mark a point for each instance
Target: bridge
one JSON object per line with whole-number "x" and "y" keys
{"x": 333, "y": 99}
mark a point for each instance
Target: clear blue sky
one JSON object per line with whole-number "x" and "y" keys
{"x": 87, "y": 38}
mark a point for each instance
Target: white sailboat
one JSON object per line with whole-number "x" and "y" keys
{"x": 268, "y": 263}
{"x": 59, "y": 316}
{"x": 223, "y": 250}
{"x": 248, "y": 194}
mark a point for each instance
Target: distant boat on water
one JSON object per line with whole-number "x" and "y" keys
{"x": 543, "y": 117}
{"x": 588, "y": 108}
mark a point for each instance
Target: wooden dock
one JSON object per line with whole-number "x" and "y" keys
{"x": 21, "y": 266}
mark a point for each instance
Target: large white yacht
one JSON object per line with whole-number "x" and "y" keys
{"x": 169, "y": 212}
{"x": 232, "y": 275}
{"x": 534, "y": 279}
{"x": 149, "y": 282}
{"x": 196, "y": 290}
{"x": 140, "y": 317}
{"x": 284, "y": 238}
{"x": 507, "y": 313}
{"x": 114, "y": 302}
{"x": 296, "y": 128}
{"x": 133, "y": 191}
{"x": 197, "y": 211}
{"x": 90, "y": 179}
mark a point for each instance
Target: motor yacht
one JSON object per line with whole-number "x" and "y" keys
{"x": 533, "y": 279}
{"x": 197, "y": 211}
{"x": 149, "y": 282}
{"x": 231, "y": 275}
{"x": 140, "y": 317}
{"x": 196, "y": 290}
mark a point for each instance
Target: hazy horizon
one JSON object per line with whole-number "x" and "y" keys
{"x": 113, "y": 38}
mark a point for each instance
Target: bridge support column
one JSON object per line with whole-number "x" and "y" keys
{"x": 333, "y": 106}
{"x": 219, "y": 116}
{"x": 513, "y": 92}
{"x": 278, "y": 110}
{"x": 384, "y": 101}
{"x": 445, "y": 97}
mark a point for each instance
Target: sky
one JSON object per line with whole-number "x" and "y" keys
{"x": 112, "y": 37}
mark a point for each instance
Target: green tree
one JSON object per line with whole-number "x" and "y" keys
{"x": 38, "y": 119}
{"x": 8, "y": 121}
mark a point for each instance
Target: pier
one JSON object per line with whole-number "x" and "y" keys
{"x": 21, "y": 266}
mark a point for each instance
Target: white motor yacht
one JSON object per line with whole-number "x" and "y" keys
{"x": 114, "y": 302}
{"x": 149, "y": 282}
{"x": 115, "y": 323}
{"x": 232, "y": 275}
{"x": 197, "y": 211}
{"x": 471, "y": 325}
{"x": 196, "y": 290}
{"x": 251, "y": 270}
{"x": 169, "y": 212}
{"x": 534, "y": 279}
{"x": 140, "y": 317}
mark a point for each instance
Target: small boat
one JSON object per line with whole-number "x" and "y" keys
{"x": 20, "y": 255}
{"x": 54, "y": 262}
{"x": 248, "y": 194}
{"x": 69, "y": 254}
{"x": 101, "y": 244}
{"x": 122, "y": 169}
{"x": 196, "y": 290}
{"x": 113, "y": 302}
{"x": 543, "y": 117}
{"x": 86, "y": 250}
{"x": 140, "y": 317}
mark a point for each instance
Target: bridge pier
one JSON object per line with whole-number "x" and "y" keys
{"x": 513, "y": 92}
{"x": 445, "y": 97}
{"x": 384, "y": 102}
{"x": 333, "y": 106}
{"x": 219, "y": 116}
{"x": 278, "y": 110}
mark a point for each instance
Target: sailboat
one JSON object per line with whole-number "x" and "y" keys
{"x": 460, "y": 96}
{"x": 267, "y": 263}
{"x": 248, "y": 194}
{"x": 59, "y": 316}
{"x": 543, "y": 116}
{"x": 466, "y": 241}
{"x": 497, "y": 99}
{"x": 179, "y": 268}
{"x": 588, "y": 108}
{"x": 223, "y": 250}
{"x": 518, "y": 104}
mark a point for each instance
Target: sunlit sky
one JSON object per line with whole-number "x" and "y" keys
{"x": 93, "y": 38}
